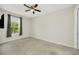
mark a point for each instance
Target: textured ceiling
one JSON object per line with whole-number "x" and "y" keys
{"x": 45, "y": 8}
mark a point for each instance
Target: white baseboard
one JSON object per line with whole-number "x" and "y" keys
{"x": 53, "y": 42}
{"x": 13, "y": 40}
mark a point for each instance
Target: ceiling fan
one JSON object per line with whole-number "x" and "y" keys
{"x": 32, "y": 8}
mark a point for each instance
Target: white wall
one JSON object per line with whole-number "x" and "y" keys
{"x": 3, "y": 32}
{"x": 56, "y": 27}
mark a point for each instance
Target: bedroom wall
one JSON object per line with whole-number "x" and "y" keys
{"x": 56, "y": 27}
{"x": 3, "y": 32}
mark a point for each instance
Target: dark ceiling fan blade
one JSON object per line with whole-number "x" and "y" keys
{"x": 33, "y": 12}
{"x": 27, "y": 6}
{"x": 38, "y": 10}
{"x": 27, "y": 10}
{"x": 35, "y": 5}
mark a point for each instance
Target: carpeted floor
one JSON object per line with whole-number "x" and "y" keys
{"x": 32, "y": 46}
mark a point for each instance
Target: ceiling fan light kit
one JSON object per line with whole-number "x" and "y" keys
{"x": 32, "y": 8}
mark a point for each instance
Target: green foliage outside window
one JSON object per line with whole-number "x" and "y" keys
{"x": 14, "y": 27}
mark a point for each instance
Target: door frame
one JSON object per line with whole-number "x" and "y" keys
{"x": 76, "y": 26}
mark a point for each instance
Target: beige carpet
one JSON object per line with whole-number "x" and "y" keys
{"x": 32, "y": 46}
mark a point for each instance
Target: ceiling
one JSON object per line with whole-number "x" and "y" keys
{"x": 45, "y": 8}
